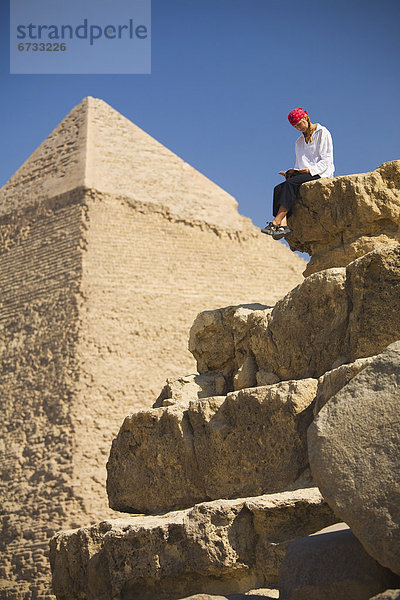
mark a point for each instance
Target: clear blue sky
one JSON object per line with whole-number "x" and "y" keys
{"x": 225, "y": 73}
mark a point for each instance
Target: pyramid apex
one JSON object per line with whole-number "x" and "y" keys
{"x": 92, "y": 100}
{"x": 96, "y": 147}
{"x": 55, "y": 167}
{"x": 89, "y": 101}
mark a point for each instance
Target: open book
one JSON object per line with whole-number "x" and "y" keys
{"x": 289, "y": 173}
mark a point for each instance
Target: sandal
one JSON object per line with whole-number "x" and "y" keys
{"x": 281, "y": 231}
{"x": 269, "y": 229}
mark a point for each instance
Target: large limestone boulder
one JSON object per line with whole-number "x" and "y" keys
{"x": 219, "y": 547}
{"x": 337, "y": 220}
{"x": 331, "y": 566}
{"x": 286, "y": 342}
{"x": 354, "y": 449}
{"x": 334, "y": 317}
{"x": 250, "y": 442}
{"x": 219, "y": 339}
{"x": 373, "y": 285}
{"x": 306, "y": 329}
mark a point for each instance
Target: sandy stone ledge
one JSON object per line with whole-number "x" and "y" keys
{"x": 225, "y": 546}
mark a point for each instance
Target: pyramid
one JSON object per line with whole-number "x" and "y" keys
{"x": 110, "y": 247}
{"x": 96, "y": 147}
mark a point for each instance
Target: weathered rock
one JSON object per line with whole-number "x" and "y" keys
{"x": 250, "y": 442}
{"x": 152, "y": 464}
{"x": 331, "y": 566}
{"x": 266, "y": 377}
{"x": 260, "y": 594}
{"x": 333, "y": 381}
{"x": 354, "y": 446}
{"x": 246, "y": 375}
{"x": 216, "y": 547}
{"x": 337, "y": 220}
{"x": 219, "y": 339}
{"x": 289, "y": 341}
{"x": 373, "y": 285}
{"x": 189, "y": 387}
{"x": 334, "y": 317}
{"x": 306, "y": 329}
{"x": 388, "y": 595}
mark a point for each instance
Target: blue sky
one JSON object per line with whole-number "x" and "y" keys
{"x": 225, "y": 74}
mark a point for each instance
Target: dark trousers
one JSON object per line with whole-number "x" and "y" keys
{"x": 285, "y": 193}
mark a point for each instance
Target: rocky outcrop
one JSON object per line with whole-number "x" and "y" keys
{"x": 337, "y": 220}
{"x": 250, "y": 442}
{"x": 286, "y": 342}
{"x": 333, "y": 317}
{"x": 354, "y": 455}
{"x": 220, "y": 341}
{"x": 331, "y": 566}
{"x": 237, "y": 429}
{"x": 295, "y": 345}
{"x": 191, "y": 448}
{"x": 217, "y": 547}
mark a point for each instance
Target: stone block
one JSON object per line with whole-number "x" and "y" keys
{"x": 183, "y": 389}
{"x": 220, "y": 547}
{"x": 250, "y": 442}
{"x": 219, "y": 339}
{"x": 373, "y": 287}
{"x": 305, "y": 331}
{"x": 333, "y": 317}
{"x": 337, "y": 220}
{"x": 354, "y": 445}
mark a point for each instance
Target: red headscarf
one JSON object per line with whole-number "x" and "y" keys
{"x": 296, "y": 115}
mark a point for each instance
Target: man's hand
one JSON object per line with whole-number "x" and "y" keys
{"x": 303, "y": 170}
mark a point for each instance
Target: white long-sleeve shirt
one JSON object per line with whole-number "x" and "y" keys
{"x": 318, "y": 155}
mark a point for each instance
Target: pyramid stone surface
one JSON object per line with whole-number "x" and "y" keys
{"x": 124, "y": 160}
{"x": 110, "y": 246}
{"x": 57, "y": 166}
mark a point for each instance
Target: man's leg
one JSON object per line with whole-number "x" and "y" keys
{"x": 280, "y": 218}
